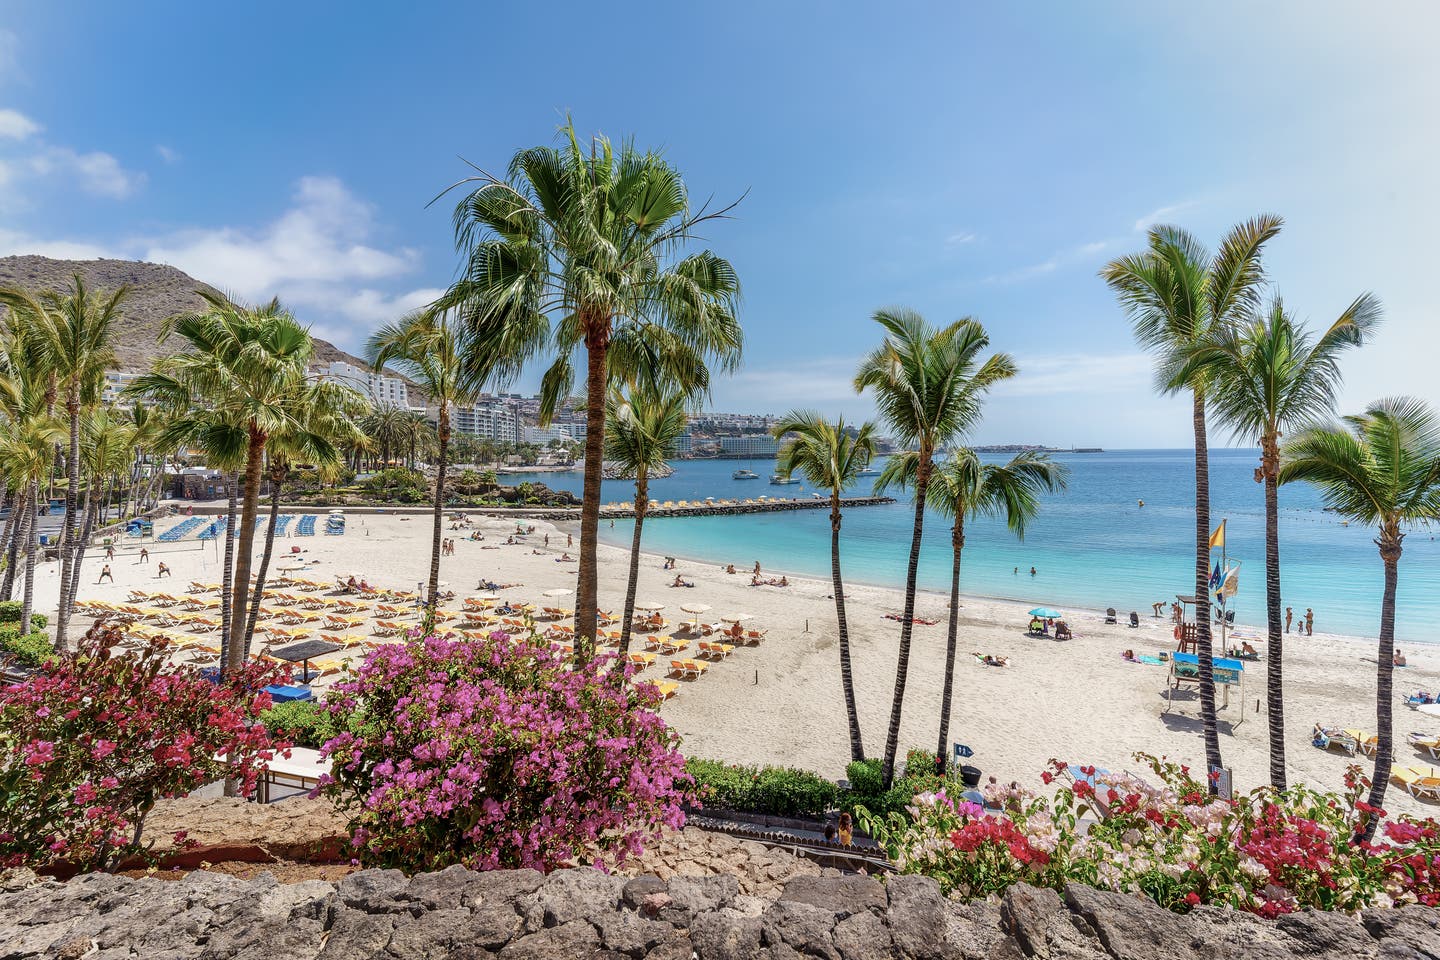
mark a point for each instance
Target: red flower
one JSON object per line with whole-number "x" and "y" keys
{"x": 1047, "y": 777}
{"x": 1192, "y": 898}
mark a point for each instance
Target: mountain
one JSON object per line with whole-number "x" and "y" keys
{"x": 156, "y": 292}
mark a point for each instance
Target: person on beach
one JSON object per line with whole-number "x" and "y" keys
{"x": 109, "y": 551}
{"x": 1289, "y": 615}
{"x": 1157, "y": 606}
{"x": 106, "y": 574}
{"x": 1032, "y": 571}
{"x": 144, "y": 555}
{"x": 569, "y": 540}
{"x": 1309, "y": 622}
{"x": 1400, "y": 659}
{"x": 846, "y": 830}
{"x": 730, "y": 568}
{"x": 757, "y": 568}
{"x": 547, "y": 539}
{"x": 162, "y": 571}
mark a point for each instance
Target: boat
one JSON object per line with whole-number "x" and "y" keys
{"x": 867, "y": 472}
{"x": 780, "y": 481}
{"x": 743, "y": 474}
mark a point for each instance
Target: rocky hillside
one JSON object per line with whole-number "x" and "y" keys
{"x": 156, "y": 292}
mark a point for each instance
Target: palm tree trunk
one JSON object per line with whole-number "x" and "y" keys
{"x": 1384, "y": 682}
{"x": 68, "y": 531}
{"x": 1274, "y": 675}
{"x": 227, "y": 578}
{"x": 7, "y": 536}
{"x": 587, "y": 589}
{"x": 847, "y": 678}
{"x": 27, "y": 603}
{"x": 245, "y": 545}
{"x": 957, "y": 544}
{"x": 907, "y": 625}
{"x": 1202, "y": 592}
{"x": 277, "y": 479}
{"x": 642, "y": 494}
{"x": 20, "y": 513}
{"x": 442, "y": 431}
{"x": 72, "y": 590}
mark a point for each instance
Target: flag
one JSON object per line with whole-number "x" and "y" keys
{"x": 1231, "y": 584}
{"x": 1217, "y": 539}
{"x": 1215, "y": 579}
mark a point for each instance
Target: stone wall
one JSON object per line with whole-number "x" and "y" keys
{"x": 583, "y": 913}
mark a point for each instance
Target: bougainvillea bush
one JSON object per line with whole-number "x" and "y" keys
{"x": 92, "y": 741}
{"x": 494, "y": 751}
{"x": 1167, "y": 839}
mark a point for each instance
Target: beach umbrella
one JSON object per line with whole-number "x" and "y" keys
{"x": 558, "y": 592}
{"x": 488, "y": 595}
{"x": 737, "y": 618}
{"x": 697, "y": 609}
{"x": 650, "y": 606}
{"x": 1046, "y": 613}
{"x": 1429, "y": 709}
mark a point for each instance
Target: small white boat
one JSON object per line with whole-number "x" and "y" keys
{"x": 867, "y": 472}
{"x": 780, "y": 481}
{"x": 744, "y": 475}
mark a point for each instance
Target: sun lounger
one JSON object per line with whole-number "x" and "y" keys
{"x": 667, "y": 689}
{"x": 1421, "y": 782}
{"x": 753, "y": 637}
{"x": 1366, "y": 743}
{"x": 1328, "y": 738}
{"x": 696, "y": 667}
{"x": 672, "y": 644}
{"x": 642, "y": 660}
{"x": 1427, "y": 742}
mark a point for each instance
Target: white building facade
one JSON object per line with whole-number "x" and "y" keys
{"x": 383, "y": 391}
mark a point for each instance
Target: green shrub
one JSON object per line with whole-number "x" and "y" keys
{"x": 10, "y": 613}
{"x": 778, "y": 791}
{"x": 398, "y": 484}
{"x": 865, "y": 777}
{"x": 32, "y": 649}
{"x": 305, "y": 723}
{"x": 867, "y": 785}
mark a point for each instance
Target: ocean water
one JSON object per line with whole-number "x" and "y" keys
{"x": 1092, "y": 546}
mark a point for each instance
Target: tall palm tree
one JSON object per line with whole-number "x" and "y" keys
{"x": 1179, "y": 299}
{"x": 239, "y": 373}
{"x": 28, "y": 438}
{"x": 72, "y": 335}
{"x": 107, "y": 448}
{"x": 1380, "y": 468}
{"x": 570, "y": 248}
{"x": 928, "y": 385}
{"x": 1272, "y": 377}
{"x": 322, "y": 425}
{"x": 830, "y": 455}
{"x": 449, "y": 363}
{"x": 642, "y": 431}
{"x": 962, "y": 488}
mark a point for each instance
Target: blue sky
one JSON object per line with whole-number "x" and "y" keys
{"x": 955, "y": 158}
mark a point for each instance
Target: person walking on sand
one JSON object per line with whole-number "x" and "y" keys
{"x": 109, "y": 551}
{"x": 144, "y": 555}
{"x": 757, "y": 568}
{"x": 1289, "y": 615}
{"x": 1309, "y": 622}
{"x": 569, "y": 540}
{"x": 106, "y": 574}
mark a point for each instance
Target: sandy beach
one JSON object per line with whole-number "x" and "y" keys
{"x": 780, "y": 702}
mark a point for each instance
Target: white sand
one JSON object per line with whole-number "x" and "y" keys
{"x": 781, "y": 702}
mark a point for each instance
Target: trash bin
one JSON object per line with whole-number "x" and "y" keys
{"x": 970, "y": 776}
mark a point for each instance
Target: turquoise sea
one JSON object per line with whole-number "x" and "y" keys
{"x": 1093, "y": 546}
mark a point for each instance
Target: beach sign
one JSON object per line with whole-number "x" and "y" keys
{"x": 963, "y": 752}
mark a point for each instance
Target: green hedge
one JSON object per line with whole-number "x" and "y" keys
{"x": 32, "y": 649}
{"x": 778, "y": 791}
{"x": 10, "y": 613}
{"x": 866, "y": 783}
{"x": 305, "y": 723}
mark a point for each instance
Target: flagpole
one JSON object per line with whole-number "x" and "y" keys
{"x": 1224, "y": 567}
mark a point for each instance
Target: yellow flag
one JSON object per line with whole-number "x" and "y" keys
{"x": 1217, "y": 539}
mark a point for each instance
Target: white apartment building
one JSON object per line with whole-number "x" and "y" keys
{"x": 491, "y": 418}
{"x": 115, "y": 382}
{"x": 383, "y": 391}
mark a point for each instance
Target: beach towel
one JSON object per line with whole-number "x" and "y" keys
{"x": 1153, "y": 661}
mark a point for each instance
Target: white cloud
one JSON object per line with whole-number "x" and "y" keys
{"x": 96, "y": 172}
{"x": 14, "y": 125}
{"x": 1162, "y": 215}
{"x": 167, "y": 154}
{"x": 316, "y": 256}
{"x": 1078, "y": 373}
{"x": 9, "y": 54}
{"x": 956, "y": 239}
{"x": 824, "y": 382}
{"x": 1071, "y": 255}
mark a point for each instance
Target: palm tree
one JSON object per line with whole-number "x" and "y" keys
{"x": 1180, "y": 299}
{"x": 1271, "y": 377}
{"x": 239, "y": 375}
{"x": 568, "y": 250}
{"x": 28, "y": 438}
{"x": 928, "y": 385}
{"x": 445, "y": 359}
{"x": 322, "y": 425}
{"x": 831, "y": 456}
{"x": 72, "y": 336}
{"x": 962, "y": 488}
{"x": 107, "y": 447}
{"x": 1380, "y": 468}
{"x": 642, "y": 432}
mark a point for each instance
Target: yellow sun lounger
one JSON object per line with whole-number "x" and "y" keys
{"x": 1366, "y": 743}
{"x": 1424, "y": 741}
{"x": 667, "y": 689}
{"x": 1421, "y": 782}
